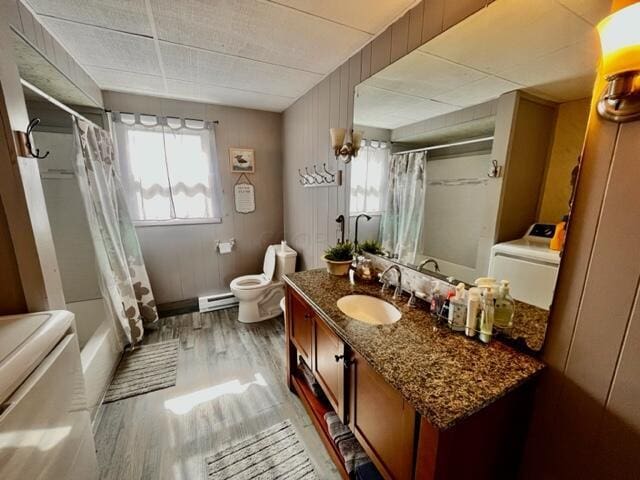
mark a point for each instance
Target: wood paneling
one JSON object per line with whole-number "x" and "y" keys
{"x": 12, "y": 299}
{"x": 400, "y": 38}
{"x": 381, "y": 51}
{"x": 182, "y": 261}
{"x": 328, "y": 366}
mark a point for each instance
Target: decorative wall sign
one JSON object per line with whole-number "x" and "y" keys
{"x": 242, "y": 160}
{"x": 244, "y": 195}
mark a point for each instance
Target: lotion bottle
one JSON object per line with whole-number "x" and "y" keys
{"x": 505, "y": 307}
{"x": 458, "y": 310}
{"x": 473, "y": 311}
{"x": 487, "y": 316}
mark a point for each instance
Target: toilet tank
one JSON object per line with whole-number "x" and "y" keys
{"x": 285, "y": 260}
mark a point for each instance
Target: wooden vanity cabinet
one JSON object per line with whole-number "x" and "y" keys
{"x": 300, "y": 325}
{"x": 382, "y": 420}
{"x": 329, "y": 366}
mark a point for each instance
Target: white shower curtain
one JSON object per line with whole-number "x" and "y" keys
{"x": 123, "y": 276}
{"x": 401, "y": 223}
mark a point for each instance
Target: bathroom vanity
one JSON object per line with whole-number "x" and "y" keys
{"x": 424, "y": 402}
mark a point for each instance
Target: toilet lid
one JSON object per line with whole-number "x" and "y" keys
{"x": 269, "y": 265}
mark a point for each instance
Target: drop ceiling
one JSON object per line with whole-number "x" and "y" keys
{"x": 547, "y": 47}
{"x": 250, "y": 53}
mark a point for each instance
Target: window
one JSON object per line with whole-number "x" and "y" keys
{"x": 368, "y": 178}
{"x": 169, "y": 169}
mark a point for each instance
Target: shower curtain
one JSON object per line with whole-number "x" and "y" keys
{"x": 123, "y": 276}
{"x": 401, "y": 223}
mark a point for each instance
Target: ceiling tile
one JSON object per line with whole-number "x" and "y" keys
{"x": 209, "y": 68}
{"x": 258, "y": 30}
{"x": 226, "y": 96}
{"x": 122, "y": 15}
{"x": 480, "y": 91}
{"x": 424, "y": 75}
{"x": 591, "y": 10}
{"x": 93, "y": 46}
{"x": 508, "y": 33}
{"x": 108, "y": 79}
{"x": 364, "y": 15}
{"x": 386, "y": 109}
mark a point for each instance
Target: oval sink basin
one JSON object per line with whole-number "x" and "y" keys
{"x": 368, "y": 309}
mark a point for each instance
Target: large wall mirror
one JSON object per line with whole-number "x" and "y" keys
{"x": 472, "y": 144}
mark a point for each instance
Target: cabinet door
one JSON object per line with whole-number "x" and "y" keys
{"x": 301, "y": 319}
{"x": 328, "y": 366}
{"x": 382, "y": 421}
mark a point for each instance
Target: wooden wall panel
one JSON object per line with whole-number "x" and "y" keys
{"x": 12, "y": 298}
{"x": 400, "y": 38}
{"x": 416, "y": 17}
{"x": 381, "y": 51}
{"x": 432, "y": 19}
{"x": 455, "y": 12}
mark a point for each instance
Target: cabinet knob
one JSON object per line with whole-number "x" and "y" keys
{"x": 307, "y": 316}
{"x": 338, "y": 357}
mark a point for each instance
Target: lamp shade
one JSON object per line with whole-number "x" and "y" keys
{"x": 337, "y": 137}
{"x": 620, "y": 40}
{"x": 357, "y": 138}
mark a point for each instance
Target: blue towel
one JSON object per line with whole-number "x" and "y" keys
{"x": 367, "y": 471}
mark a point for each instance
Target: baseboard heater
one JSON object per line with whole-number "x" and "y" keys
{"x": 216, "y": 302}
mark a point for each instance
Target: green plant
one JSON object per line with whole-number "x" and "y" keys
{"x": 370, "y": 246}
{"x": 340, "y": 252}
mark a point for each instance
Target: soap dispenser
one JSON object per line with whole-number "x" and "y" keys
{"x": 505, "y": 308}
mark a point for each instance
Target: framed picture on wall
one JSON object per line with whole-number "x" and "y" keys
{"x": 242, "y": 160}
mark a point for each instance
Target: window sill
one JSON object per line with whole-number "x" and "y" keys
{"x": 170, "y": 223}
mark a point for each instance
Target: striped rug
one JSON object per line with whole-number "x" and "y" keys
{"x": 145, "y": 369}
{"x": 276, "y": 452}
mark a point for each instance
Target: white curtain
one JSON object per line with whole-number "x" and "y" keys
{"x": 401, "y": 223}
{"x": 368, "y": 178}
{"x": 169, "y": 167}
{"x": 123, "y": 277}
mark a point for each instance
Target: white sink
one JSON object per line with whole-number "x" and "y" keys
{"x": 369, "y": 310}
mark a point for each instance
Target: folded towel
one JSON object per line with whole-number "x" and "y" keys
{"x": 367, "y": 471}
{"x": 311, "y": 380}
{"x": 337, "y": 429}
{"x": 352, "y": 454}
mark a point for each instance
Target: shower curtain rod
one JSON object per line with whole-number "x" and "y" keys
{"x": 57, "y": 103}
{"x": 446, "y": 145}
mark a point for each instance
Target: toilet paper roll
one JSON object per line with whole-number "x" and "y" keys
{"x": 225, "y": 247}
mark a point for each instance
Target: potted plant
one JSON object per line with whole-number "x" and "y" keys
{"x": 338, "y": 258}
{"x": 370, "y": 246}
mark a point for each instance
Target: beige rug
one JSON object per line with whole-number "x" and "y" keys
{"x": 145, "y": 369}
{"x": 276, "y": 452}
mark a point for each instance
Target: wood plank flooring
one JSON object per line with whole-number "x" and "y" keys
{"x": 230, "y": 385}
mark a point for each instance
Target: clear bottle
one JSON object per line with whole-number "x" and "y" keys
{"x": 505, "y": 308}
{"x": 487, "y": 316}
{"x": 473, "y": 312}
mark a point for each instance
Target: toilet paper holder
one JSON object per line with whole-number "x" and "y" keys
{"x": 225, "y": 247}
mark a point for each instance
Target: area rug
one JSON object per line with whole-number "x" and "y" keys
{"x": 276, "y": 452}
{"x": 145, "y": 369}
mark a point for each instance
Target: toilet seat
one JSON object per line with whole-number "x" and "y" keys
{"x": 250, "y": 282}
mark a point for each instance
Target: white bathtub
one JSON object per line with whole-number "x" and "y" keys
{"x": 100, "y": 348}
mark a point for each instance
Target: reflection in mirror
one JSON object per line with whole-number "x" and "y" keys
{"x": 471, "y": 149}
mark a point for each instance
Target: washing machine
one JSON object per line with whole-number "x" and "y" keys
{"x": 529, "y": 264}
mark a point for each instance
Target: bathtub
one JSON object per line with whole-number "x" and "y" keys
{"x": 100, "y": 348}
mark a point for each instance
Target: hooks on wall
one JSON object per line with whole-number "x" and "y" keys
{"x": 36, "y": 154}
{"x": 320, "y": 177}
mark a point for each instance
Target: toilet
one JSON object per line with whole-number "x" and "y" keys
{"x": 259, "y": 295}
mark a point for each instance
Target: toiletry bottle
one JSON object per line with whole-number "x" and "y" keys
{"x": 458, "y": 310}
{"x": 435, "y": 300}
{"x": 557, "y": 241}
{"x": 505, "y": 308}
{"x": 446, "y": 304}
{"x": 487, "y": 316}
{"x": 473, "y": 311}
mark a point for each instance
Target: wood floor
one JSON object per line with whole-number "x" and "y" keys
{"x": 230, "y": 385}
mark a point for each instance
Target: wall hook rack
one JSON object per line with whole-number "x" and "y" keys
{"x": 319, "y": 177}
{"x": 36, "y": 154}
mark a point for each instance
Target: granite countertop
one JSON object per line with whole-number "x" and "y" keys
{"x": 443, "y": 374}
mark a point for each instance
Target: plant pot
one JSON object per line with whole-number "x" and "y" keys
{"x": 337, "y": 267}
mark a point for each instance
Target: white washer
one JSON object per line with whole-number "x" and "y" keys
{"x": 529, "y": 264}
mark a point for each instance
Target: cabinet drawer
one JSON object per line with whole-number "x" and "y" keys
{"x": 328, "y": 366}
{"x": 382, "y": 421}
{"x": 301, "y": 325}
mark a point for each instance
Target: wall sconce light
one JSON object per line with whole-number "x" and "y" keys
{"x": 620, "y": 40}
{"x": 345, "y": 144}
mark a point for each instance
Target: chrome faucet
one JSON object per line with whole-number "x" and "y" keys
{"x": 397, "y": 293}
{"x": 427, "y": 261}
